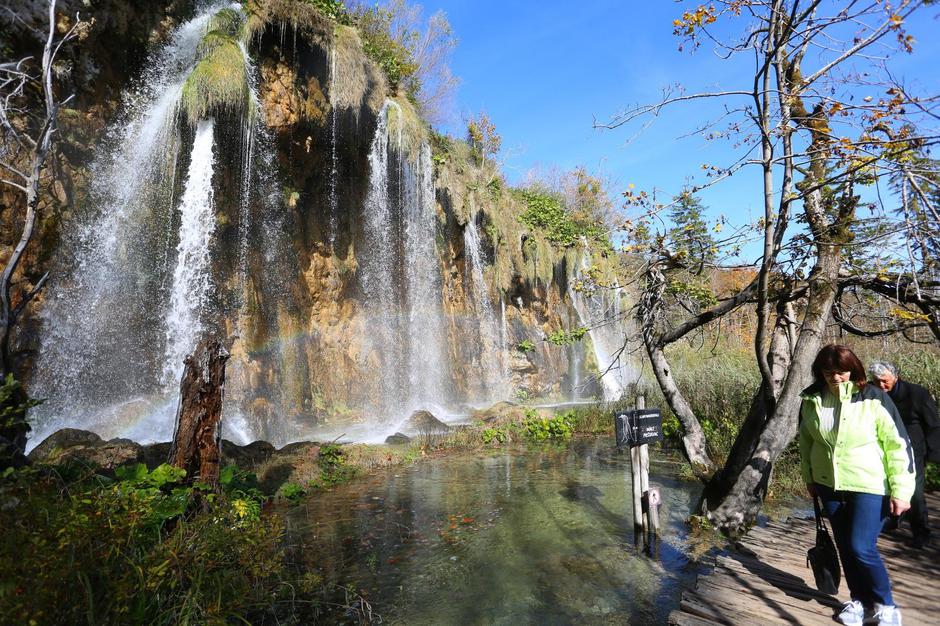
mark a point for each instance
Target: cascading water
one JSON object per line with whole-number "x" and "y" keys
{"x": 123, "y": 306}
{"x": 334, "y": 158}
{"x": 191, "y": 275}
{"x": 491, "y": 356}
{"x": 599, "y": 310}
{"x": 400, "y": 277}
{"x": 427, "y": 363}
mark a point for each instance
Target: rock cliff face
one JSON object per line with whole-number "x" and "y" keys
{"x": 363, "y": 267}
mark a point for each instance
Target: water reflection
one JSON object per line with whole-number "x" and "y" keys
{"x": 542, "y": 537}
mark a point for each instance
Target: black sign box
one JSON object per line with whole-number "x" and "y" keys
{"x": 638, "y": 427}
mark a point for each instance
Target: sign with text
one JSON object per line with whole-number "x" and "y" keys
{"x": 638, "y": 427}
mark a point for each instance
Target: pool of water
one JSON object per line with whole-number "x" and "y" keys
{"x": 539, "y": 537}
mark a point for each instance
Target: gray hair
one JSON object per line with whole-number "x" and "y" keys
{"x": 880, "y": 368}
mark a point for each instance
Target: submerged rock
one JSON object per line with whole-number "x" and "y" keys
{"x": 397, "y": 439}
{"x": 423, "y": 423}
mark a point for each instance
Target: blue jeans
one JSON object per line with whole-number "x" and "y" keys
{"x": 856, "y": 520}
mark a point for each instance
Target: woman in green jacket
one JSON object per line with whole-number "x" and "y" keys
{"x": 857, "y": 459}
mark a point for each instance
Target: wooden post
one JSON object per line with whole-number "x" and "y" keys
{"x": 197, "y": 437}
{"x": 650, "y": 505}
{"x": 639, "y": 521}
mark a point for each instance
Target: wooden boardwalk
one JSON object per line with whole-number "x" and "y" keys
{"x": 767, "y": 581}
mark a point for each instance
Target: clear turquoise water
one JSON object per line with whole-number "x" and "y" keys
{"x": 543, "y": 537}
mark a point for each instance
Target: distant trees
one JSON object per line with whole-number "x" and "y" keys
{"x": 820, "y": 133}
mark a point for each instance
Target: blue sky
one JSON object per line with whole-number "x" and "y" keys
{"x": 544, "y": 70}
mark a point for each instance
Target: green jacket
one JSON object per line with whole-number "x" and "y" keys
{"x": 871, "y": 453}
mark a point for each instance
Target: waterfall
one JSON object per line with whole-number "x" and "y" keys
{"x": 334, "y": 159}
{"x": 599, "y": 310}
{"x": 490, "y": 356}
{"x": 117, "y": 310}
{"x": 400, "y": 277}
{"x": 427, "y": 361}
{"x": 191, "y": 275}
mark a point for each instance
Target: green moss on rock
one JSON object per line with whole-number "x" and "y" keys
{"x": 219, "y": 81}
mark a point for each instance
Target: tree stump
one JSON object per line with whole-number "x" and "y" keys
{"x": 197, "y": 436}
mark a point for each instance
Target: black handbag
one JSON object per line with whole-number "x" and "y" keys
{"x": 823, "y": 557}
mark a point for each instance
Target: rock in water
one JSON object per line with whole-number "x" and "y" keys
{"x": 397, "y": 439}
{"x": 423, "y": 423}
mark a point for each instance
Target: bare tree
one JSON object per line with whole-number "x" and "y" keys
{"x": 797, "y": 120}
{"x": 26, "y": 139}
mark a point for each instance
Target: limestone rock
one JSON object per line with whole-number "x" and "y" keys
{"x": 423, "y": 423}
{"x": 397, "y": 439}
{"x": 62, "y": 440}
{"x": 71, "y": 445}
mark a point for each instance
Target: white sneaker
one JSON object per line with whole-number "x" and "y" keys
{"x": 853, "y": 613}
{"x": 887, "y": 615}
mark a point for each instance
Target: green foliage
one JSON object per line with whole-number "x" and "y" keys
{"x": 558, "y": 428}
{"x": 482, "y": 137}
{"x": 498, "y": 435}
{"x": 694, "y": 288}
{"x": 291, "y": 492}
{"x": 522, "y": 395}
{"x": 12, "y": 410}
{"x": 563, "y": 337}
{"x": 333, "y": 9}
{"x": 545, "y": 212}
{"x": 391, "y": 54}
{"x": 525, "y": 345}
{"x": 228, "y": 21}
{"x": 690, "y": 240}
{"x": 133, "y": 550}
{"x": 219, "y": 82}
{"x": 334, "y": 468}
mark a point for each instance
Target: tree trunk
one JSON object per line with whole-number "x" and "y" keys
{"x": 197, "y": 438}
{"x": 735, "y": 510}
{"x": 693, "y": 438}
{"x": 743, "y": 448}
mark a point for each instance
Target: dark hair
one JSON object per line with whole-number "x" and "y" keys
{"x": 838, "y": 358}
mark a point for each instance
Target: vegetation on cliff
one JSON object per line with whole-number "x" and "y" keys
{"x": 219, "y": 82}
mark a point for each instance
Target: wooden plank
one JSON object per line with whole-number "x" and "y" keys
{"x": 766, "y": 581}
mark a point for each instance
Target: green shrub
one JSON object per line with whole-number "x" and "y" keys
{"x": 333, "y": 467}
{"x": 525, "y": 345}
{"x": 559, "y": 427}
{"x": 91, "y": 550}
{"x": 546, "y": 212}
{"x": 375, "y": 27}
{"x": 498, "y": 435}
{"x": 292, "y": 492}
{"x": 563, "y": 337}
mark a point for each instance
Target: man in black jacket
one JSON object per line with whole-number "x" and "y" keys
{"x": 919, "y": 412}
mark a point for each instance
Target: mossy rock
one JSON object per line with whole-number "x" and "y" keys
{"x": 219, "y": 82}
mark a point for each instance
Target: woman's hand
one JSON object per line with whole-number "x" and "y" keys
{"x": 811, "y": 489}
{"x": 899, "y": 506}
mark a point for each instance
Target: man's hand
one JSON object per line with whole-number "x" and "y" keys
{"x": 811, "y": 489}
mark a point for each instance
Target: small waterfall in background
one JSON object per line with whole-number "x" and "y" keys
{"x": 191, "y": 275}
{"x": 334, "y": 158}
{"x": 599, "y": 309}
{"x": 491, "y": 356}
